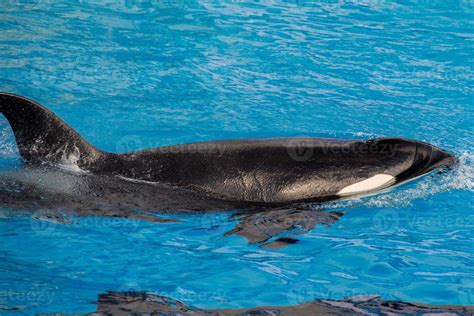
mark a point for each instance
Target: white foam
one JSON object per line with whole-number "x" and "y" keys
{"x": 74, "y": 168}
{"x": 69, "y": 161}
{"x": 8, "y": 146}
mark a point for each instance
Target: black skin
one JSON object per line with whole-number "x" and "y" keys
{"x": 228, "y": 173}
{"x": 59, "y": 194}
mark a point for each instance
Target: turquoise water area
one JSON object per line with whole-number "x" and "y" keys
{"x": 138, "y": 74}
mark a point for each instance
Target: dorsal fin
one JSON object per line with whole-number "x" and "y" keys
{"x": 42, "y": 136}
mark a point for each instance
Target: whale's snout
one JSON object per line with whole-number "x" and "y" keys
{"x": 433, "y": 157}
{"x": 443, "y": 158}
{"x": 426, "y": 158}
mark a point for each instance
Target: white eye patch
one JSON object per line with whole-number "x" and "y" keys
{"x": 376, "y": 182}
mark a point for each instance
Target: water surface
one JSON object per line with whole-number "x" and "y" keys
{"x": 131, "y": 75}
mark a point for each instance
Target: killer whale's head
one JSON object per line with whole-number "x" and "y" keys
{"x": 425, "y": 157}
{"x": 396, "y": 160}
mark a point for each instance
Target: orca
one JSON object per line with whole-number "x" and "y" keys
{"x": 250, "y": 171}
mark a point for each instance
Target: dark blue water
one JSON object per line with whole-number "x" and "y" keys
{"x": 132, "y": 74}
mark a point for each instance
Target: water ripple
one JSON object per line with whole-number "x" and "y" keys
{"x": 132, "y": 74}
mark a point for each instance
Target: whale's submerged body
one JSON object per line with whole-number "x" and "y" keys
{"x": 235, "y": 172}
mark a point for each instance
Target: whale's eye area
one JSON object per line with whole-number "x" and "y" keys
{"x": 376, "y": 182}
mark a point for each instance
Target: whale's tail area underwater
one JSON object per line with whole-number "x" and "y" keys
{"x": 260, "y": 171}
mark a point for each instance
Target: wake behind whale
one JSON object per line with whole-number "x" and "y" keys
{"x": 206, "y": 175}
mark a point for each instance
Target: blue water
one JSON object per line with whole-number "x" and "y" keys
{"x": 133, "y": 74}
